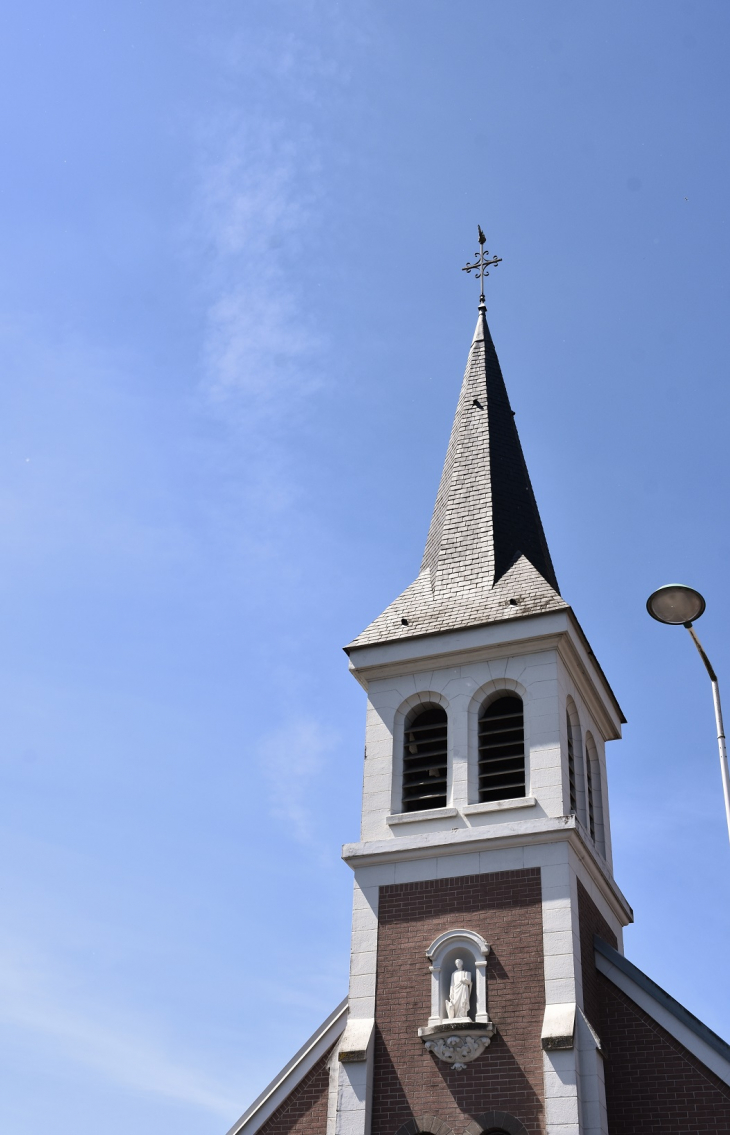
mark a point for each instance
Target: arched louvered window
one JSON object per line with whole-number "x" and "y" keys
{"x": 595, "y": 795}
{"x": 589, "y": 797}
{"x": 502, "y": 750}
{"x": 424, "y": 760}
{"x": 571, "y": 768}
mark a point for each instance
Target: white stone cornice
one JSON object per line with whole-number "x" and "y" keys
{"x": 577, "y": 663}
{"x": 527, "y": 833}
{"x": 457, "y": 655}
{"x": 556, "y": 630}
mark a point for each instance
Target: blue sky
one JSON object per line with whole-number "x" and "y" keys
{"x": 232, "y": 332}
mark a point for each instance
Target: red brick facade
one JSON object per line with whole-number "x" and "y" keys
{"x": 654, "y": 1086}
{"x": 590, "y": 923}
{"x": 505, "y": 908}
{"x": 304, "y": 1112}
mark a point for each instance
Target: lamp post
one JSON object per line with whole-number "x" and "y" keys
{"x": 678, "y": 605}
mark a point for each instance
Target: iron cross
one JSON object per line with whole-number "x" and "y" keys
{"x": 481, "y": 263}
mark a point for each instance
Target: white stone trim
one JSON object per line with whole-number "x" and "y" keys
{"x": 499, "y": 805}
{"x": 333, "y": 1066}
{"x": 469, "y": 844}
{"x": 558, "y": 1026}
{"x": 273, "y": 1096}
{"x": 355, "y": 1077}
{"x": 416, "y": 817}
{"x": 356, "y": 1040}
{"x": 575, "y": 659}
{"x": 560, "y": 1079}
{"x": 591, "y": 1082}
{"x": 675, "y": 1027}
{"x": 493, "y": 640}
{"x": 470, "y": 644}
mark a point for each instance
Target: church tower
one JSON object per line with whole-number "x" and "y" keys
{"x": 485, "y": 830}
{"x": 487, "y": 924}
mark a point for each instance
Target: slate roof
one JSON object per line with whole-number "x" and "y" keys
{"x": 486, "y": 557}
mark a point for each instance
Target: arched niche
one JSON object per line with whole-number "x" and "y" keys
{"x": 442, "y": 954}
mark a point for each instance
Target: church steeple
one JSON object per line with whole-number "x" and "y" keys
{"x": 486, "y": 557}
{"x": 488, "y": 992}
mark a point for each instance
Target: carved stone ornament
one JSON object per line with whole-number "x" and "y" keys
{"x": 457, "y": 1048}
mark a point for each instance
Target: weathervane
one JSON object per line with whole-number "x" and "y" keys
{"x": 481, "y": 264}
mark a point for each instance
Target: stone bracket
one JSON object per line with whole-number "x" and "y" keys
{"x": 558, "y": 1026}
{"x": 458, "y": 1044}
{"x": 356, "y": 1040}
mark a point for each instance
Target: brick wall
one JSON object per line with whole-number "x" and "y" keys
{"x": 505, "y": 908}
{"x": 590, "y": 922}
{"x": 304, "y": 1112}
{"x": 653, "y": 1084}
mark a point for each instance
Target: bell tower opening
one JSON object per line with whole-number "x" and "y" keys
{"x": 502, "y": 750}
{"x": 425, "y": 759}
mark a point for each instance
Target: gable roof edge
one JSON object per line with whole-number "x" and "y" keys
{"x": 292, "y": 1074}
{"x": 689, "y": 1030}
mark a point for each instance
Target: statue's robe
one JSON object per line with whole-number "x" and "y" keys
{"x": 459, "y": 994}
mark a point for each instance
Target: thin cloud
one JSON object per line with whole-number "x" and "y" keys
{"x": 294, "y": 757}
{"x": 30, "y": 1000}
{"x": 259, "y": 190}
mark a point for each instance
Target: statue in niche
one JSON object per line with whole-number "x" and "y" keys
{"x": 457, "y": 1005}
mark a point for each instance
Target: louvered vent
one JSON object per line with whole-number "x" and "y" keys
{"x": 502, "y": 750}
{"x": 571, "y": 769}
{"x": 589, "y": 794}
{"x": 424, "y": 761}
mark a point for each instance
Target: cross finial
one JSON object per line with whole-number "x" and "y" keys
{"x": 482, "y": 262}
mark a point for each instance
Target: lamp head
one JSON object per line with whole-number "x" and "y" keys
{"x": 675, "y": 604}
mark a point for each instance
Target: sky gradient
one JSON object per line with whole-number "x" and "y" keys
{"x": 232, "y": 332}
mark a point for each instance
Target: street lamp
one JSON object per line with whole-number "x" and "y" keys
{"x": 678, "y": 605}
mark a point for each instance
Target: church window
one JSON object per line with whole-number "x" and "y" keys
{"x": 589, "y": 795}
{"x": 571, "y": 768}
{"x": 502, "y": 750}
{"x": 595, "y": 793}
{"x": 425, "y": 760}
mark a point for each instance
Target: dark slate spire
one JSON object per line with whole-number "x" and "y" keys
{"x": 516, "y": 525}
{"x": 486, "y": 556}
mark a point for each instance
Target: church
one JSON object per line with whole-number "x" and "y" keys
{"x": 489, "y": 992}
